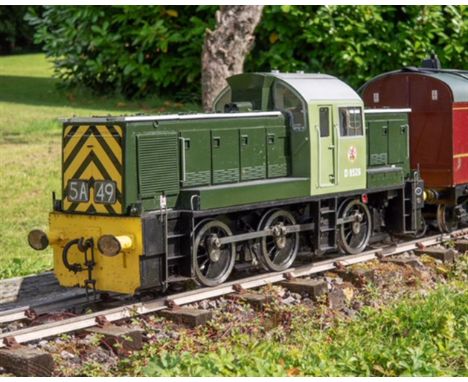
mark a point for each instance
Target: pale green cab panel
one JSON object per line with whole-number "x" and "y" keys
{"x": 338, "y": 163}
{"x": 326, "y": 147}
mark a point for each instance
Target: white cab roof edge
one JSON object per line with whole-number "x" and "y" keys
{"x": 168, "y": 117}
{"x": 201, "y": 116}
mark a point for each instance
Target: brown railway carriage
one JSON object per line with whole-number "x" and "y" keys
{"x": 438, "y": 100}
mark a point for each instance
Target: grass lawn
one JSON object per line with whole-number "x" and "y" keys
{"x": 30, "y": 107}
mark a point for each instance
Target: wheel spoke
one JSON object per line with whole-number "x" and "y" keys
{"x": 283, "y": 254}
{"x": 202, "y": 266}
{"x": 271, "y": 251}
{"x": 215, "y": 270}
{"x": 350, "y": 232}
{"x": 206, "y": 273}
{"x": 356, "y": 240}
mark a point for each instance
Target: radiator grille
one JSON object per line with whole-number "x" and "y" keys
{"x": 158, "y": 170}
{"x": 198, "y": 178}
{"x": 277, "y": 170}
{"x": 229, "y": 175}
{"x": 253, "y": 172}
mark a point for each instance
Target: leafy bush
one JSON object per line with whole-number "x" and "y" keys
{"x": 139, "y": 50}
{"x": 356, "y": 43}
{"x": 134, "y": 50}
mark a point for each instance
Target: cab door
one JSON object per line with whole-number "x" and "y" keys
{"x": 326, "y": 147}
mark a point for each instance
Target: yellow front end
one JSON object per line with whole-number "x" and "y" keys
{"x": 119, "y": 273}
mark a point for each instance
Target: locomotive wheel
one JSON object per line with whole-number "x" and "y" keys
{"x": 277, "y": 252}
{"x": 211, "y": 261}
{"x": 446, "y": 219}
{"x": 353, "y": 236}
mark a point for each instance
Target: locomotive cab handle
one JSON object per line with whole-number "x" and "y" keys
{"x": 184, "y": 164}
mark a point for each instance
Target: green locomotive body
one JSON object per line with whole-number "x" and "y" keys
{"x": 286, "y": 161}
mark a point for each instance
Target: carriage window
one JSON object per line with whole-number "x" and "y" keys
{"x": 324, "y": 122}
{"x": 350, "y": 121}
{"x": 286, "y": 100}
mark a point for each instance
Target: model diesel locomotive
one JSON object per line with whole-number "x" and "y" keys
{"x": 287, "y": 163}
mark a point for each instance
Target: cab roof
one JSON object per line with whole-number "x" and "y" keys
{"x": 317, "y": 87}
{"x": 311, "y": 87}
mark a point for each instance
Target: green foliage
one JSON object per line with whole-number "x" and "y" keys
{"x": 419, "y": 336}
{"x": 135, "y": 50}
{"x": 356, "y": 43}
{"x": 138, "y": 50}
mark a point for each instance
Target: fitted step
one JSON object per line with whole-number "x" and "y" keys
{"x": 175, "y": 257}
{"x": 328, "y": 248}
{"x": 176, "y": 235}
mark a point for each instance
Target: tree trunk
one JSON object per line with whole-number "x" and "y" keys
{"x": 226, "y": 47}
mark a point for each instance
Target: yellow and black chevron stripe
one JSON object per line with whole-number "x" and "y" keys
{"x": 91, "y": 153}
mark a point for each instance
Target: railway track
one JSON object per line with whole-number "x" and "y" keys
{"x": 129, "y": 310}
{"x": 30, "y": 296}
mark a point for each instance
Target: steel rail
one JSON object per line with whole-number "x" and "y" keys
{"x": 13, "y": 314}
{"x": 127, "y": 311}
{"x": 20, "y": 312}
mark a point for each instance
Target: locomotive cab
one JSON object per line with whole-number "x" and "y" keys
{"x": 325, "y": 123}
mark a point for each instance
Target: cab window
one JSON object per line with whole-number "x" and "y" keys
{"x": 324, "y": 122}
{"x": 350, "y": 121}
{"x": 222, "y": 99}
{"x": 286, "y": 100}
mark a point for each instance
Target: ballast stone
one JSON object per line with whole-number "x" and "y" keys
{"x": 337, "y": 299}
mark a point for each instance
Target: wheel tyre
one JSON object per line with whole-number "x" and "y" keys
{"x": 343, "y": 245}
{"x": 200, "y": 231}
{"x": 263, "y": 255}
{"x": 256, "y": 245}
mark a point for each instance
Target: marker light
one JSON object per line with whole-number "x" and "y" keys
{"x": 110, "y": 245}
{"x": 365, "y": 198}
{"x": 38, "y": 240}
